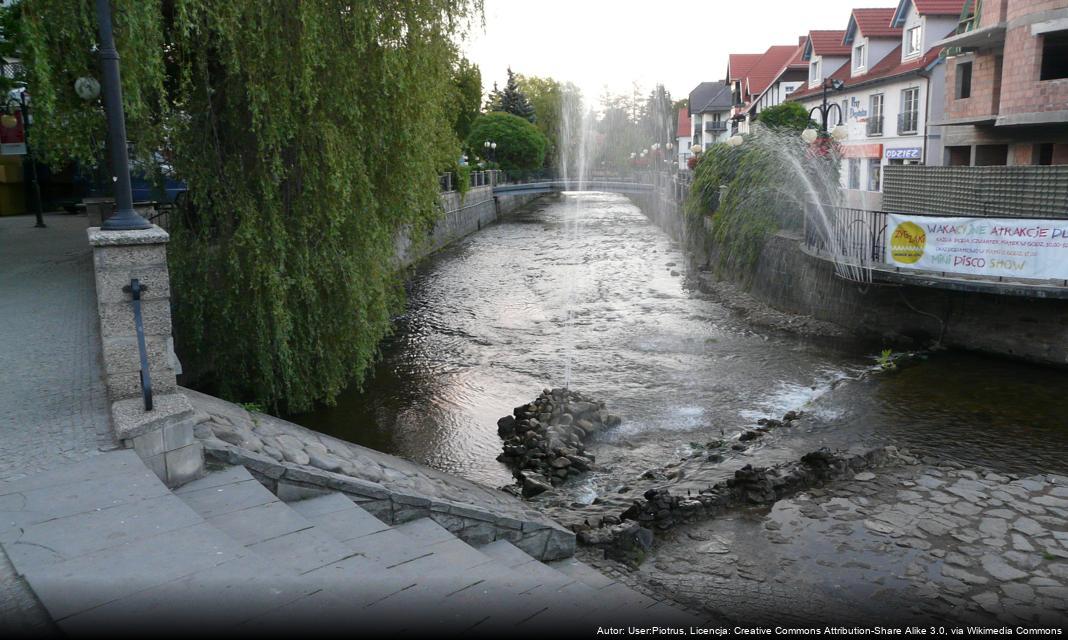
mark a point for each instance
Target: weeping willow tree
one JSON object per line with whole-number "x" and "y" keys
{"x": 308, "y": 134}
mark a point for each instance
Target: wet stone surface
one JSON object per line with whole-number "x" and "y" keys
{"x": 922, "y": 542}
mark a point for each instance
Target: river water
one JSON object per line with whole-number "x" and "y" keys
{"x": 487, "y": 328}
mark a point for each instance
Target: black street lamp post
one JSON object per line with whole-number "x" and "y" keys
{"x": 125, "y": 217}
{"x": 23, "y": 108}
{"x": 825, "y": 109}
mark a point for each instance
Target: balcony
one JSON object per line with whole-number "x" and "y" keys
{"x": 907, "y": 123}
{"x": 715, "y": 127}
{"x": 875, "y": 126}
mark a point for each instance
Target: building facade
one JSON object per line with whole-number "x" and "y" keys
{"x": 891, "y": 100}
{"x": 1006, "y": 96}
{"x": 710, "y": 110}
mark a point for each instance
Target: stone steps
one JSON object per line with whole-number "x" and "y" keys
{"x": 106, "y": 546}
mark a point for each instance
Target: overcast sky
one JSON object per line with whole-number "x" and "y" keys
{"x": 594, "y": 43}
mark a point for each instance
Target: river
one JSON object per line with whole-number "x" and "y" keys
{"x": 487, "y": 328}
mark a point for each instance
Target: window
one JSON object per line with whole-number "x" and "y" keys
{"x": 814, "y": 71}
{"x": 875, "y": 174}
{"x": 1054, "y": 55}
{"x": 913, "y": 41}
{"x": 854, "y": 173}
{"x": 859, "y": 61}
{"x": 964, "y": 80}
{"x": 875, "y": 115}
{"x": 908, "y": 120}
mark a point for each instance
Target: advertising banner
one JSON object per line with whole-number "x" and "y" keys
{"x": 1008, "y": 247}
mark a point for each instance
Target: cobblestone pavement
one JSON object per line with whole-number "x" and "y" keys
{"x": 53, "y": 403}
{"x": 919, "y": 544}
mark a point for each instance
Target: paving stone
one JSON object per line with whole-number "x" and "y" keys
{"x": 1001, "y": 570}
{"x": 1020, "y": 543}
{"x": 1018, "y": 591}
{"x": 1028, "y": 527}
{"x": 959, "y": 574}
{"x": 993, "y": 527}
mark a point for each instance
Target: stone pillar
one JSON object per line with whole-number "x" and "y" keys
{"x": 163, "y": 437}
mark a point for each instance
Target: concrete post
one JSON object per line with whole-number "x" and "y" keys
{"x": 162, "y": 437}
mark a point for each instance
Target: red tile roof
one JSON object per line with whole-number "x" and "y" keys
{"x": 798, "y": 59}
{"x": 828, "y": 43}
{"x": 739, "y": 64}
{"x": 889, "y": 67}
{"x": 766, "y": 69}
{"x": 927, "y": 8}
{"x": 939, "y": 7}
{"x": 685, "y": 128}
{"x": 875, "y": 23}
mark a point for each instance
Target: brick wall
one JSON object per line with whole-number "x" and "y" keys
{"x": 1021, "y": 90}
{"x": 986, "y": 87}
{"x": 993, "y": 12}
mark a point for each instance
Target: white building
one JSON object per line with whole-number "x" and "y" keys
{"x": 892, "y": 87}
{"x": 683, "y": 138}
{"x": 792, "y": 76}
{"x": 710, "y": 113}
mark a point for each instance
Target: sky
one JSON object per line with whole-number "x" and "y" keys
{"x": 598, "y": 43}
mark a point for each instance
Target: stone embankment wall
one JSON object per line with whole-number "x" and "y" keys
{"x": 789, "y": 279}
{"x": 463, "y": 216}
{"x": 297, "y": 463}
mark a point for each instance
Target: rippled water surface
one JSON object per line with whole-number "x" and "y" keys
{"x": 487, "y": 328}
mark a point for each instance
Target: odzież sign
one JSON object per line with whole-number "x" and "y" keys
{"x": 1010, "y": 247}
{"x": 910, "y": 153}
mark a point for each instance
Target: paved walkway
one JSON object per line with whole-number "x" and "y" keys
{"x": 53, "y": 403}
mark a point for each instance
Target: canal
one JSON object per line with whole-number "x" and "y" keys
{"x": 585, "y": 285}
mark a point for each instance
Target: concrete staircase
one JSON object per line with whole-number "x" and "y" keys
{"x": 106, "y": 547}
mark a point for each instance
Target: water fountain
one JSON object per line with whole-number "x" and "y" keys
{"x": 807, "y": 182}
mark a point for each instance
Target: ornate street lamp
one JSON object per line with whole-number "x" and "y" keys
{"x": 696, "y": 149}
{"x": 9, "y": 121}
{"x": 809, "y": 135}
{"x": 736, "y": 140}
{"x": 125, "y": 218}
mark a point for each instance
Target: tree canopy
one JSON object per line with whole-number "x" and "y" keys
{"x": 558, "y": 105}
{"x": 512, "y": 100}
{"x": 789, "y": 116}
{"x": 308, "y": 134}
{"x": 467, "y": 82}
{"x": 520, "y": 146}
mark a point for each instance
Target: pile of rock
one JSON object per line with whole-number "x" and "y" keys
{"x": 751, "y": 486}
{"x": 543, "y": 440}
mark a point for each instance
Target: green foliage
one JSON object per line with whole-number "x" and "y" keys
{"x": 556, "y": 104}
{"x": 886, "y": 360}
{"x": 750, "y": 210}
{"x": 467, "y": 82}
{"x": 520, "y": 146}
{"x": 308, "y": 133}
{"x": 787, "y": 117}
{"x": 512, "y": 100}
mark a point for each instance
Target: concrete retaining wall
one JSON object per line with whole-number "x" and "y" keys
{"x": 463, "y": 216}
{"x": 791, "y": 280}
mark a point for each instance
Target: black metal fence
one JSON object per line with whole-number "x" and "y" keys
{"x": 852, "y": 236}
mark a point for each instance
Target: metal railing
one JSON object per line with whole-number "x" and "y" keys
{"x": 486, "y": 178}
{"x": 135, "y": 289}
{"x": 908, "y": 122}
{"x": 846, "y": 235}
{"x": 716, "y": 126}
{"x": 874, "y": 127}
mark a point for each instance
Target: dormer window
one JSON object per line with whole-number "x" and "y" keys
{"x": 814, "y": 71}
{"x": 913, "y": 41}
{"x": 860, "y": 53}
